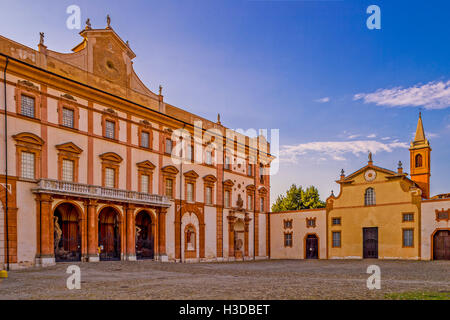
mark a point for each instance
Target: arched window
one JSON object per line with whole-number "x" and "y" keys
{"x": 369, "y": 197}
{"x": 418, "y": 161}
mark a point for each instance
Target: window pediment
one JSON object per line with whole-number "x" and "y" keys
{"x": 209, "y": 178}
{"x": 146, "y": 164}
{"x": 111, "y": 156}
{"x": 228, "y": 183}
{"x": 29, "y": 138}
{"x": 191, "y": 174}
{"x": 171, "y": 170}
{"x": 250, "y": 187}
{"x": 69, "y": 147}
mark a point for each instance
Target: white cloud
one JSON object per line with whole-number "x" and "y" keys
{"x": 336, "y": 150}
{"x": 385, "y": 138}
{"x": 433, "y": 95}
{"x": 323, "y": 100}
{"x": 373, "y": 135}
{"x": 353, "y": 136}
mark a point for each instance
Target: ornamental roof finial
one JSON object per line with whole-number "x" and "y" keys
{"x": 108, "y": 22}
{"x": 41, "y": 40}
{"x": 88, "y": 24}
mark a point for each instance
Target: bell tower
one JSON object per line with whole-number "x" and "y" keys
{"x": 420, "y": 151}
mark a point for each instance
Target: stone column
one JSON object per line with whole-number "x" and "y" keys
{"x": 47, "y": 252}
{"x": 231, "y": 220}
{"x": 130, "y": 233}
{"x": 161, "y": 212}
{"x": 202, "y": 240}
{"x": 92, "y": 230}
{"x": 246, "y": 228}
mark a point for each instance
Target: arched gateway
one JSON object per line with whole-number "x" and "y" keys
{"x": 441, "y": 245}
{"x": 145, "y": 239}
{"x": 109, "y": 233}
{"x": 67, "y": 233}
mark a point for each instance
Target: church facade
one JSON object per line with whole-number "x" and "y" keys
{"x": 378, "y": 213}
{"x": 99, "y": 167}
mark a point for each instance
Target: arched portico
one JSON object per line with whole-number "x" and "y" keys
{"x": 67, "y": 225}
{"x": 145, "y": 225}
{"x": 109, "y": 234}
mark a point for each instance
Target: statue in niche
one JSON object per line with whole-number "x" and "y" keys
{"x": 240, "y": 202}
{"x": 57, "y": 234}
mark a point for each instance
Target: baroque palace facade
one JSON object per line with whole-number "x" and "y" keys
{"x": 378, "y": 213}
{"x": 88, "y": 166}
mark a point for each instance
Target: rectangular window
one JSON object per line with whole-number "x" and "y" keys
{"x": 249, "y": 202}
{"x": 227, "y": 163}
{"x": 28, "y": 165}
{"x": 145, "y": 183}
{"x": 250, "y": 170}
{"x": 336, "y": 221}
{"x": 110, "y": 177}
{"x": 261, "y": 173}
{"x": 67, "y": 170}
{"x": 209, "y": 195}
{"x": 336, "y": 239}
{"x": 68, "y": 117}
{"x": 408, "y": 237}
{"x": 110, "y": 129}
{"x": 226, "y": 199}
{"x": 168, "y": 146}
{"x": 27, "y": 106}
{"x": 190, "y": 192}
{"x": 145, "y": 139}
{"x": 288, "y": 239}
{"x": 261, "y": 204}
{"x": 408, "y": 217}
{"x": 209, "y": 157}
{"x": 169, "y": 188}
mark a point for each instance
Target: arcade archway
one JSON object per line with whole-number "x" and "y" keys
{"x": 67, "y": 233}
{"x": 145, "y": 239}
{"x": 109, "y": 234}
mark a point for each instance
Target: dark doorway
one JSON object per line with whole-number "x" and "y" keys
{"x": 67, "y": 239}
{"x": 109, "y": 234}
{"x": 312, "y": 247}
{"x": 441, "y": 245}
{"x": 370, "y": 243}
{"x": 144, "y": 236}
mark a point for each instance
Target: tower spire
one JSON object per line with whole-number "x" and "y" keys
{"x": 420, "y": 133}
{"x": 420, "y": 151}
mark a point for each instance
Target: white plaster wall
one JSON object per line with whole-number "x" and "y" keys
{"x": 2, "y": 237}
{"x": 429, "y": 224}
{"x": 262, "y": 235}
{"x": 170, "y": 232}
{"x": 190, "y": 218}
{"x": 26, "y": 224}
{"x": 52, "y": 111}
{"x": 210, "y": 232}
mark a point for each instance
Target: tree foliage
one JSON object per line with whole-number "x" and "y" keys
{"x": 296, "y": 198}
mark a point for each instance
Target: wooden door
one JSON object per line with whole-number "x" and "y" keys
{"x": 370, "y": 243}
{"x": 312, "y": 247}
{"x": 441, "y": 245}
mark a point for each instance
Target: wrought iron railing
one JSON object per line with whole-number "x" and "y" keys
{"x": 97, "y": 192}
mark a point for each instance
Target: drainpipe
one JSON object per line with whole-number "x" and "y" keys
{"x": 254, "y": 213}
{"x": 6, "y": 169}
{"x": 181, "y": 196}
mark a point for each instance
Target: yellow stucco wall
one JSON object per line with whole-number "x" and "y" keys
{"x": 300, "y": 231}
{"x": 394, "y": 196}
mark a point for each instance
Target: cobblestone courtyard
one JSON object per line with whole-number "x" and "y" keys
{"x": 294, "y": 279}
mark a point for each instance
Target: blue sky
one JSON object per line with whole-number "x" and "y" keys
{"x": 297, "y": 66}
